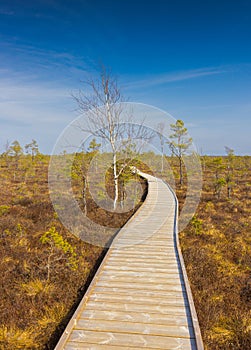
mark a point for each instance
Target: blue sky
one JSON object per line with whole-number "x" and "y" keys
{"x": 190, "y": 58}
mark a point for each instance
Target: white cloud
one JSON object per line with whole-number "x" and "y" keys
{"x": 17, "y": 92}
{"x": 30, "y": 108}
{"x": 155, "y": 80}
{"x": 39, "y": 63}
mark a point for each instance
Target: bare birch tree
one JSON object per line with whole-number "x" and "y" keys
{"x": 106, "y": 120}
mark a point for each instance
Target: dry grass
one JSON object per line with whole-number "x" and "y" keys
{"x": 217, "y": 253}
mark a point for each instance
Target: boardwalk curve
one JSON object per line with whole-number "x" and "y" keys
{"x": 140, "y": 296}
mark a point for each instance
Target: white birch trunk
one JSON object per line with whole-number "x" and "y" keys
{"x": 116, "y": 182}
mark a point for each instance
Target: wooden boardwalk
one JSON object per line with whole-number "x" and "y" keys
{"x": 140, "y": 297}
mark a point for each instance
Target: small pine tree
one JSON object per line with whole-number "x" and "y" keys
{"x": 94, "y": 146}
{"x": 15, "y": 151}
{"x": 59, "y": 249}
{"x": 32, "y": 148}
{"x": 180, "y": 144}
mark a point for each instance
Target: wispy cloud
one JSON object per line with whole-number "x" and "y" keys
{"x": 155, "y": 80}
{"x": 18, "y": 123}
{"x": 23, "y": 98}
{"x": 44, "y": 62}
{"x": 31, "y": 108}
{"x": 35, "y": 91}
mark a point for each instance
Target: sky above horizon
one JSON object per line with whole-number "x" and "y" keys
{"x": 189, "y": 58}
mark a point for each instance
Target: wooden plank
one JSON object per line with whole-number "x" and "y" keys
{"x": 143, "y": 259}
{"x": 138, "y": 269}
{"x": 161, "y": 267}
{"x": 134, "y": 316}
{"x": 88, "y": 346}
{"x": 140, "y": 340}
{"x": 138, "y": 300}
{"x": 134, "y": 328}
{"x": 139, "y": 265}
{"x": 149, "y": 293}
{"x": 148, "y": 253}
{"x": 145, "y": 273}
{"x": 137, "y": 286}
{"x": 130, "y": 306}
{"x": 150, "y": 278}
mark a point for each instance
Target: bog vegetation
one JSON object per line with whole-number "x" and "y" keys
{"x": 45, "y": 270}
{"x": 217, "y": 252}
